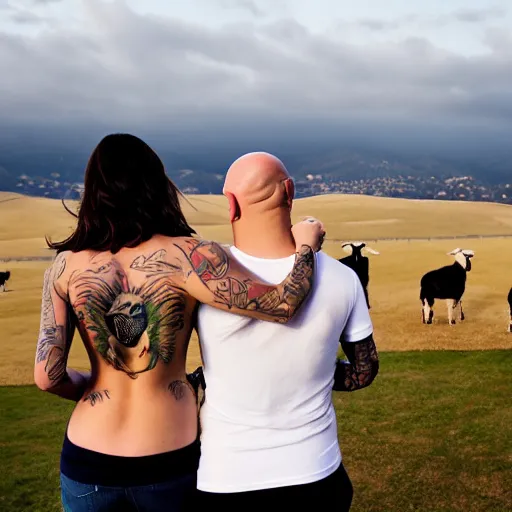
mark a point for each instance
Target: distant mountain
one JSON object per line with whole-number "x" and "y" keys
{"x": 352, "y": 165}
{"x": 201, "y": 169}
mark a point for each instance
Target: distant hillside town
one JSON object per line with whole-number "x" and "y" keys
{"x": 457, "y": 188}
{"x": 460, "y": 188}
{"x": 48, "y": 187}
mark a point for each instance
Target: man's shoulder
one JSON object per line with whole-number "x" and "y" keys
{"x": 333, "y": 267}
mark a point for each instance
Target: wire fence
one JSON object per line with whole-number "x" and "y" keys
{"x": 334, "y": 240}
{"x": 425, "y": 239}
{"x": 26, "y": 258}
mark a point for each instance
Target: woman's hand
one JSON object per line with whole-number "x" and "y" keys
{"x": 310, "y": 232}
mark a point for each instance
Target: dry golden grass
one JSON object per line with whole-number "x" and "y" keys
{"x": 395, "y": 274}
{"x": 24, "y": 221}
{"x": 396, "y": 308}
{"x": 364, "y": 217}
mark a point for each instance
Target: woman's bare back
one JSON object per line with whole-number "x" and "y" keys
{"x": 135, "y": 321}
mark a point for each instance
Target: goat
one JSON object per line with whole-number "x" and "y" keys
{"x": 510, "y": 309}
{"x": 446, "y": 283}
{"x": 4, "y": 277}
{"x": 359, "y": 263}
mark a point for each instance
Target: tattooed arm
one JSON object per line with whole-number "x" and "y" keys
{"x": 214, "y": 277}
{"x": 55, "y": 336}
{"x": 361, "y": 368}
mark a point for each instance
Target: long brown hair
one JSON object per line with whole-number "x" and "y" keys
{"x": 128, "y": 198}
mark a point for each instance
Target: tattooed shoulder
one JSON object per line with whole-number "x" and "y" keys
{"x": 207, "y": 259}
{"x": 60, "y": 264}
{"x": 57, "y": 270}
{"x": 97, "y": 396}
{"x": 156, "y": 263}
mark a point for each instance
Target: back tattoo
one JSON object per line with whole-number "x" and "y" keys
{"x": 133, "y": 327}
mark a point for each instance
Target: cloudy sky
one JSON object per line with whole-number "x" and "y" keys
{"x": 184, "y": 64}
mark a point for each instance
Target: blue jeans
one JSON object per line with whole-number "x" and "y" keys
{"x": 176, "y": 495}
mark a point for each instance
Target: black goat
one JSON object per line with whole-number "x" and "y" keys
{"x": 448, "y": 283}
{"x": 510, "y": 309}
{"x": 4, "y": 277}
{"x": 359, "y": 263}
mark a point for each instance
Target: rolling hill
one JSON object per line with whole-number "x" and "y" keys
{"x": 24, "y": 221}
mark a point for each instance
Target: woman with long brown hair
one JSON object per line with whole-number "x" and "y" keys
{"x": 129, "y": 279}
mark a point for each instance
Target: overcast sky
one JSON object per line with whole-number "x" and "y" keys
{"x": 188, "y": 63}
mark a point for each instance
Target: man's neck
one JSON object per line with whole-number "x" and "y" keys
{"x": 265, "y": 237}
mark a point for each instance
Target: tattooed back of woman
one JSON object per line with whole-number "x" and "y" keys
{"x": 128, "y": 280}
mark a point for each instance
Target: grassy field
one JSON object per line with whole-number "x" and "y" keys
{"x": 432, "y": 434}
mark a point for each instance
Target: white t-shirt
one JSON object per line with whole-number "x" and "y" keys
{"x": 268, "y": 419}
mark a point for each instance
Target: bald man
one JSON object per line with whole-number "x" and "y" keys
{"x": 269, "y": 433}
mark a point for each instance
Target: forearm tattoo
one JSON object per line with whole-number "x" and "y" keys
{"x": 53, "y": 342}
{"x": 361, "y": 368}
{"x": 212, "y": 264}
{"x": 97, "y": 396}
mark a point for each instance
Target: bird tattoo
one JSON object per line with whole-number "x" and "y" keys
{"x": 127, "y": 319}
{"x": 133, "y": 327}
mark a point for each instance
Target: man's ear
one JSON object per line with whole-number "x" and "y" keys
{"x": 289, "y": 186}
{"x": 234, "y": 207}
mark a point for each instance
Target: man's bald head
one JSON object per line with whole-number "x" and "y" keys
{"x": 258, "y": 182}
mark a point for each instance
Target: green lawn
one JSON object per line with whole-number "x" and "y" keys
{"x": 433, "y": 433}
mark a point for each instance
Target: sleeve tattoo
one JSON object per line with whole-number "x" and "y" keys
{"x": 233, "y": 288}
{"x": 361, "y": 368}
{"x": 54, "y": 336}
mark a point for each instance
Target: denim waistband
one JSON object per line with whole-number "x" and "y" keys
{"x": 90, "y": 467}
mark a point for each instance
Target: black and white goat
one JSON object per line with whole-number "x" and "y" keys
{"x": 359, "y": 263}
{"x": 448, "y": 283}
{"x": 510, "y": 309}
{"x": 4, "y": 277}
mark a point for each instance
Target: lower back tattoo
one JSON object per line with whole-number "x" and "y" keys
{"x": 178, "y": 389}
{"x": 97, "y": 396}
